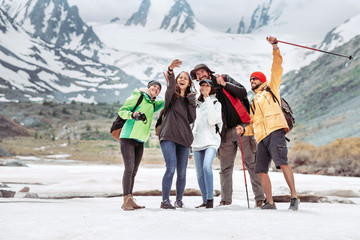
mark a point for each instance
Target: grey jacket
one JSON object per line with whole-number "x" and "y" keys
{"x": 179, "y": 114}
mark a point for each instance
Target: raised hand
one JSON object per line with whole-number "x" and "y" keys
{"x": 175, "y": 63}
{"x": 273, "y": 41}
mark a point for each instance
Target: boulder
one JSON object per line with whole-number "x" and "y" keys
{"x": 7, "y": 193}
{"x": 25, "y": 189}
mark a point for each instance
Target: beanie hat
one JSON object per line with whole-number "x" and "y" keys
{"x": 198, "y": 67}
{"x": 259, "y": 75}
{"x": 152, "y": 82}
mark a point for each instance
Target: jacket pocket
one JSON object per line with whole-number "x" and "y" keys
{"x": 274, "y": 119}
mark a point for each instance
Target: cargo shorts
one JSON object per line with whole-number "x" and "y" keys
{"x": 272, "y": 147}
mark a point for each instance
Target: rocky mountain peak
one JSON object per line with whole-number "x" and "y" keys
{"x": 259, "y": 18}
{"x": 55, "y": 22}
{"x": 176, "y": 17}
{"x": 180, "y": 17}
{"x": 140, "y": 16}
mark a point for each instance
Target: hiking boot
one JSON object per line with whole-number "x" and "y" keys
{"x": 166, "y": 204}
{"x": 179, "y": 204}
{"x": 126, "y": 206}
{"x": 210, "y": 203}
{"x": 133, "y": 203}
{"x": 223, "y": 203}
{"x": 259, "y": 203}
{"x": 294, "y": 204}
{"x": 268, "y": 206}
{"x": 201, "y": 205}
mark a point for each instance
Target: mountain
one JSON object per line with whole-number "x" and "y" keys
{"x": 35, "y": 70}
{"x": 174, "y": 16}
{"x": 325, "y": 96}
{"x": 260, "y": 18}
{"x": 55, "y": 22}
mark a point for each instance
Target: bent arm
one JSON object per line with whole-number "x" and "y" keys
{"x": 126, "y": 110}
{"x": 235, "y": 88}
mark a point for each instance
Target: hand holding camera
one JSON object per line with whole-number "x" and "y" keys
{"x": 139, "y": 116}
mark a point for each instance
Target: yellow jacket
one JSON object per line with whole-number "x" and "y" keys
{"x": 268, "y": 115}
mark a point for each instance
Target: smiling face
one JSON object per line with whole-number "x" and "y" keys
{"x": 154, "y": 90}
{"x": 255, "y": 83}
{"x": 183, "y": 81}
{"x": 202, "y": 74}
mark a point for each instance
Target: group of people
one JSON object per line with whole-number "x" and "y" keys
{"x": 218, "y": 122}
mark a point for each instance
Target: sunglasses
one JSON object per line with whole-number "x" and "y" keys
{"x": 253, "y": 78}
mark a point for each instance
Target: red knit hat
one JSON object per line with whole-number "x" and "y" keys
{"x": 259, "y": 75}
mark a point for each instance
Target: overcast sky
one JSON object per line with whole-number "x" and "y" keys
{"x": 214, "y": 14}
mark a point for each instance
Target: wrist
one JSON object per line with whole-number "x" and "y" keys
{"x": 170, "y": 70}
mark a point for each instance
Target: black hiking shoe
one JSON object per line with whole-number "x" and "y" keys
{"x": 201, "y": 205}
{"x": 294, "y": 204}
{"x": 268, "y": 206}
{"x": 179, "y": 204}
{"x": 210, "y": 203}
{"x": 166, "y": 204}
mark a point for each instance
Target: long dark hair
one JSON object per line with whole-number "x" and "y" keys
{"x": 177, "y": 92}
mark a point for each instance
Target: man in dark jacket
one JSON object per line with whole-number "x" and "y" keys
{"x": 228, "y": 91}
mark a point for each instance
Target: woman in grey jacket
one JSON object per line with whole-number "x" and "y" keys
{"x": 175, "y": 133}
{"x": 206, "y": 140}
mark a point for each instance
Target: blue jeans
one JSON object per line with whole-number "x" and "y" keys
{"x": 176, "y": 157}
{"x": 203, "y": 162}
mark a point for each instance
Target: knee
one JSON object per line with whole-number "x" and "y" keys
{"x": 207, "y": 169}
{"x": 170, "y": 170}
{"x": 181, "y": 174}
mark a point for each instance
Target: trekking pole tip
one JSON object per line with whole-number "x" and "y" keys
{"x": 350, "y": 57}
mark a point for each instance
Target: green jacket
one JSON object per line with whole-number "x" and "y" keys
{"x": 138, "y": 129}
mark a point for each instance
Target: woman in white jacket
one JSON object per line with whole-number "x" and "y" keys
{"x": 206, "y": 139}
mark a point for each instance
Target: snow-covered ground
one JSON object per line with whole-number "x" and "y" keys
{"x": 103, "y": 218}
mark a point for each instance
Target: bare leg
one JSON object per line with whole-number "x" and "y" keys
{"x": 289, "y": 177}
{"x": 266, "y": 185}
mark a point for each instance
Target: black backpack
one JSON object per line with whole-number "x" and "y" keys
{"x": 119, "y": 122}
{"x": 285, "y": 107}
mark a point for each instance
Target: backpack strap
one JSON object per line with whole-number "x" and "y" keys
{"x": 139, "y": 101}
{"x": 253, "y": 108}
{"x": 237, "y": 104}
{"x": 268, "y": 89}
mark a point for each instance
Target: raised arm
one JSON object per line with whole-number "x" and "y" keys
{"x": 171, "y": 83}
{"x": 276, "y": 69}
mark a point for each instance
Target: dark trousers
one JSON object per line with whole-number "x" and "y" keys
{"x": 132, "y": 152}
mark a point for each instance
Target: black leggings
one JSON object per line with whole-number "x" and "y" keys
{"x": 132, "y": 152}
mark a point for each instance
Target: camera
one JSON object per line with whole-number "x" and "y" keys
{"x": 141, "y": 117}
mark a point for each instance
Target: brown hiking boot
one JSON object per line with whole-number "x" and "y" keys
{"x": 127, "y": 206}
{"x": 133, "y": 203}
{"x": 223, "y": 203}
{"x": 259, "y": 203}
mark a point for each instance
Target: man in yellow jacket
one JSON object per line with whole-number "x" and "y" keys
{"x": 269, "y": 126}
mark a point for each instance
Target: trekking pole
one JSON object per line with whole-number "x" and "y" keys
{"x": 349, "y": 57}
{"x": 242, "y": 155}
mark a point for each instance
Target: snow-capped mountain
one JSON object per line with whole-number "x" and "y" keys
{"x": 55, "y": 22}
{"x": 341, "y": 34}
{"x": 260, "y": 18}
{"x": 171, "y": 15}
{"x": 35, "y": 70}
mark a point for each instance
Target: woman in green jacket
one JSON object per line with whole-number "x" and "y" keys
{"x": 134, "y": 133}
